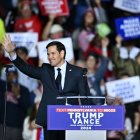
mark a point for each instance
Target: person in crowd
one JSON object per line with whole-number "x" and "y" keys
{"x": 18, "y": 102}
{"x": 46, "y": 30}
{"x": 59, "y": 78}
{"x": 127, "y": 132}
{"x": 136, "y": 128}
{"x": 96, "y": 66}
{"x": 23, "y": 79}
{"x": 99, "y": 11}
{"x": 77, "y": 10}
{"x": 123, "y": 61}
{"x": 137, "y": 58}
{"x": 27, "y": 21}
{"x": 54, "y": 28}
{"x": 56, "y": 31}
{"x": 98, "y": 44}
{"x": 87, "y": 31}
{"x": 30, "y": 130}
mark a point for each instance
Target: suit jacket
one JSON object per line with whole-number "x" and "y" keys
{"x": 75, "y": 84}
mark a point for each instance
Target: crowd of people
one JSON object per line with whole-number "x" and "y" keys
{"x": 106, "y": 56}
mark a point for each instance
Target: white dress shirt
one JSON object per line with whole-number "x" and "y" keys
{"x": 63, "y": 73}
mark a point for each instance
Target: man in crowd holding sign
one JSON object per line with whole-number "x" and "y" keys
{"x": 59, "y": 78}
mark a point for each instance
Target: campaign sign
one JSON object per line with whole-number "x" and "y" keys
{"x": 128, "y": 5}
{"x": 76, "y": 117}
{"x": 57, "y": 7}
{"x": 27, "y": 40}
{"x": 128, "y": 28}
{"x": 127, "y": 89}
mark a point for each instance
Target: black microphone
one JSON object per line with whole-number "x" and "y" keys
{"x": 84, "y": 71}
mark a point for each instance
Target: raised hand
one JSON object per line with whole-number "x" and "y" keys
{"x": 52, "y": 17}
{"x": 8, "y": 46}
{"x": 119, "y": 39}
{"x": 105, "y": 42}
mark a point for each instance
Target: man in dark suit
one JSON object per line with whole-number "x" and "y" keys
{"x": 59, "y": 78}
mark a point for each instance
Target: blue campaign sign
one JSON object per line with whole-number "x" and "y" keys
{"x": 62, "y": 117}
{"x": 128, "y": 28}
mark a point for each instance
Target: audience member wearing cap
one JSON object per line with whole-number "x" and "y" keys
{"x": 56, "y": 31}
{"x": 52, "y": 29}
{"x": 56, "y": 28}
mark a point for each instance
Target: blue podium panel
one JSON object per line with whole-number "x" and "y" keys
{"x": 62, "y": 117}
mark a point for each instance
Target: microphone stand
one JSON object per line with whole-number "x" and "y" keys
{"x": 5, "y": 99}
{"x": 86, "y": 83}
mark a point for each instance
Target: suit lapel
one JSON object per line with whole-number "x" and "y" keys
{"x": 67, "y": 76}
{"x": 52, "y": 75}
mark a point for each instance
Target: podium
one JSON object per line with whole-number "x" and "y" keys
{"x": 85, "y": 122}
{"x": 86, "y": 135}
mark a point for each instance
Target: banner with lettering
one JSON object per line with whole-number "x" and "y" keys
{"x": 57, "y": 7}
{"x": 27, "y": 40}
{"x": 128, "y": 27}
{"x": 128, "y": 5}
{"x": 127, "y": 89}
{"x": 74, "y": 117}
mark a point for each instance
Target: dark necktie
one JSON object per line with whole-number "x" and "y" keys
{"x": 58, "y": 80}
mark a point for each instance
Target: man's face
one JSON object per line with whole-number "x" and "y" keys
{"x": 55, "y": 58}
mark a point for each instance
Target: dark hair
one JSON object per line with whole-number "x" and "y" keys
{"x": 23, "y": 49}
{"x": 96, "y": 56}
{"x": 58, "y": 45}
{"x": 92, "y": 26}
{"x": 122, "y": 74}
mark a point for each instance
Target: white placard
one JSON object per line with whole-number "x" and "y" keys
{"x": 41, "y": 46}
{"x": 132, "y": 54}
{"x": 128, "y": 89}
{"x": 28, "y": 40}
{"x": 128, "y": 5}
